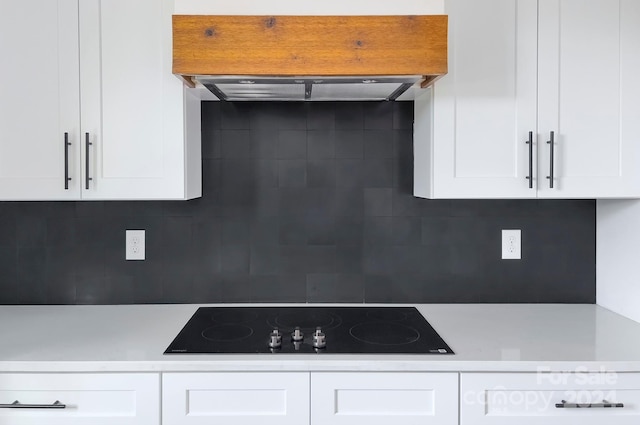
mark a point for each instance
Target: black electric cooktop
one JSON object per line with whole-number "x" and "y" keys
{"x": 400, "y": 330}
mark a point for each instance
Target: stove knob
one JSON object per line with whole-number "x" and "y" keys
{"x": 319, "y": 339}
{"x": 275, "y": 339}
{"x": 297, "y": 335}
{"x": 297, "y": 345}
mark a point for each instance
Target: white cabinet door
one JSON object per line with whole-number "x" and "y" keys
{"x": 133, "y": 107}
{"x": 484, "y": 108}
{"x": 384, "y": 398}
{"x": 39, "y": 99}
{"x": 531, "y": 398}
{"x": 589, "y": 62}
{"x": 237, "y": 398}
{"x": 88, "y": 399}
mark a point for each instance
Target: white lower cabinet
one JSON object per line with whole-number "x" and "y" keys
{"x": 384, "y": 398}
{"x": 87, "y": 399}
{"x": 549, "y": 398}
{"x": 235, "y": 398}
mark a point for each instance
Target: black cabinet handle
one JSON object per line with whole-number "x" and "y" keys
{"x": 87, "y": 179}
{"x": 17, "y": 405}
{"x": 604, "y": 405}
{"x": 530, "y": 143}
{"x": 551, "y": 143}
{"x": 66, "y": 161}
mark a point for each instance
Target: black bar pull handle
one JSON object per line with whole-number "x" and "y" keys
{"x": 551, "y": 143}
{"x": 67, "y": 179}
{"x": 604, "y": 405}
{"x": 87, "y": 179}
{"x": 530, "y": 143}
{"x": 17, "y": 405}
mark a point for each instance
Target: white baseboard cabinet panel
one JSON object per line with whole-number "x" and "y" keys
{"x": 384, "y": 398}
{"x": 236, "y": 398}
{"x": 79, "y": 399}
{"x": 549, "y": 398}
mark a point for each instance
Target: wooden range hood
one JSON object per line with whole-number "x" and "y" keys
{"x": 307, "y": 50}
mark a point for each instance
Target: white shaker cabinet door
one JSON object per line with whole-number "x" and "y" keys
{"x": 589, "y": 62}
{"x": 384, "y": 398}
{"x": 470, "y": 133}
{"x": 134, "y": 121}
{"x": 236, "y": 398}
{"x": 39, "y": 99}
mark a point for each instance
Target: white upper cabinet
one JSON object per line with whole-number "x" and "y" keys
{"x": 538, "y": 66}
{"x": 100, "y": 73}
{"x": 589, "y": 62}
{"x": 39, "y": 95}
{"x": 133, "y": 107}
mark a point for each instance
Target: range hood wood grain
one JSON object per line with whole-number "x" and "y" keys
{"x": 310, "y": 45}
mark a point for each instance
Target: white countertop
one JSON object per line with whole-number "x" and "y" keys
{"x": 485, "y": 337}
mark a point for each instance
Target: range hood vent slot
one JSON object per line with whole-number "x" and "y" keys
{"x": 239, "y": 88}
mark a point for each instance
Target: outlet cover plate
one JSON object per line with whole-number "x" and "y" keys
{"x": 135, "y": 245}
{"x": 511, "y": 244}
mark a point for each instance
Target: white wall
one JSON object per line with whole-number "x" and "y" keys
{"x": 618, "y": 256}
{"x": 309, "y": 7}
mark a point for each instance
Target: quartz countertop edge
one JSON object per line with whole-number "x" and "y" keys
{"x": 485, "y": 338}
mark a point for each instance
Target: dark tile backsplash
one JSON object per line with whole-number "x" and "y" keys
{"x": 302, "y": 203}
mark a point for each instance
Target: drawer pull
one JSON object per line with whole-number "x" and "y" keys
{"x": 605, "y": 404}
{"x": 17, "y": 405}
{"x": 530, "y": 143}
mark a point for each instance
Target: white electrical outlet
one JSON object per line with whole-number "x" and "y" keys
{"x": 135, "y": 245}
{"x": 511, "y": 244}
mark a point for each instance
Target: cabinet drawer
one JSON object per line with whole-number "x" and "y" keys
{"x": 384, "y": 398}
{"x": 537, "y": 398}
{"x": 89, "y": 399}
{"x": 235, "y": 398}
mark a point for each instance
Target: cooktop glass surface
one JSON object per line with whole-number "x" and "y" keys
{"x": 401, "y": 330}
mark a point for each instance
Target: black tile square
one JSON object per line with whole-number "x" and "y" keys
{"x": 293, "y": 201}
{"x": 235, "y": 259}
{"x": 349, "y": 116}
{"x": 321, "y": 230}
{"x": 321, "y": 202}
{"x": 292, "y": 144}
{"x": 349, "y": 173}
{"x": 349, "y": 230}
{"x": 266, "y": 171}
{"x": 235, "y": 116}
{"x": 292, "y": 230}
{"x": 378, "y": 230}
{"x": 377, "y": 202}
{"x": 321, "y": 173}
{"x": 378, "y": 115}
{"x": 211, "y": 144}
{"x": 377, "y": 259}
{"x": 235, "y": 231}
{"x": 265, "y": 260}
{"x": 378, "y": 173}
{"x": 350, "y": 201}
{"x": 378, "y": 144}
{"x": 349, "y": 259}
{"x": 265, "y": 231}
{"x": 349, "y": 144}
{"x": 327, "y": 287}
{"x": 264, "y": 144}
{"x": 236, "y": 144}
{"x": 403, "y": 115}
{"x": 321, "y": 116}
{"x": 31, "y": 231}
{"x": 321, "y": 144}
{"x": 292, "y": 173}
{"x": 234, "y": 288}
{"x": 279, "y": 289}
{"x": 61, "y": 232}
{"x": 407, "y": 230}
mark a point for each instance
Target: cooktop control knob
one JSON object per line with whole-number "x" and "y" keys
{"x": 275, "y": 339}
{"x": 319, "y": 339}
{"x": 297, "y": 335}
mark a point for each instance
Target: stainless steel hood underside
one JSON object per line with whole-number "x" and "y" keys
{"x": 308, "y": 88}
